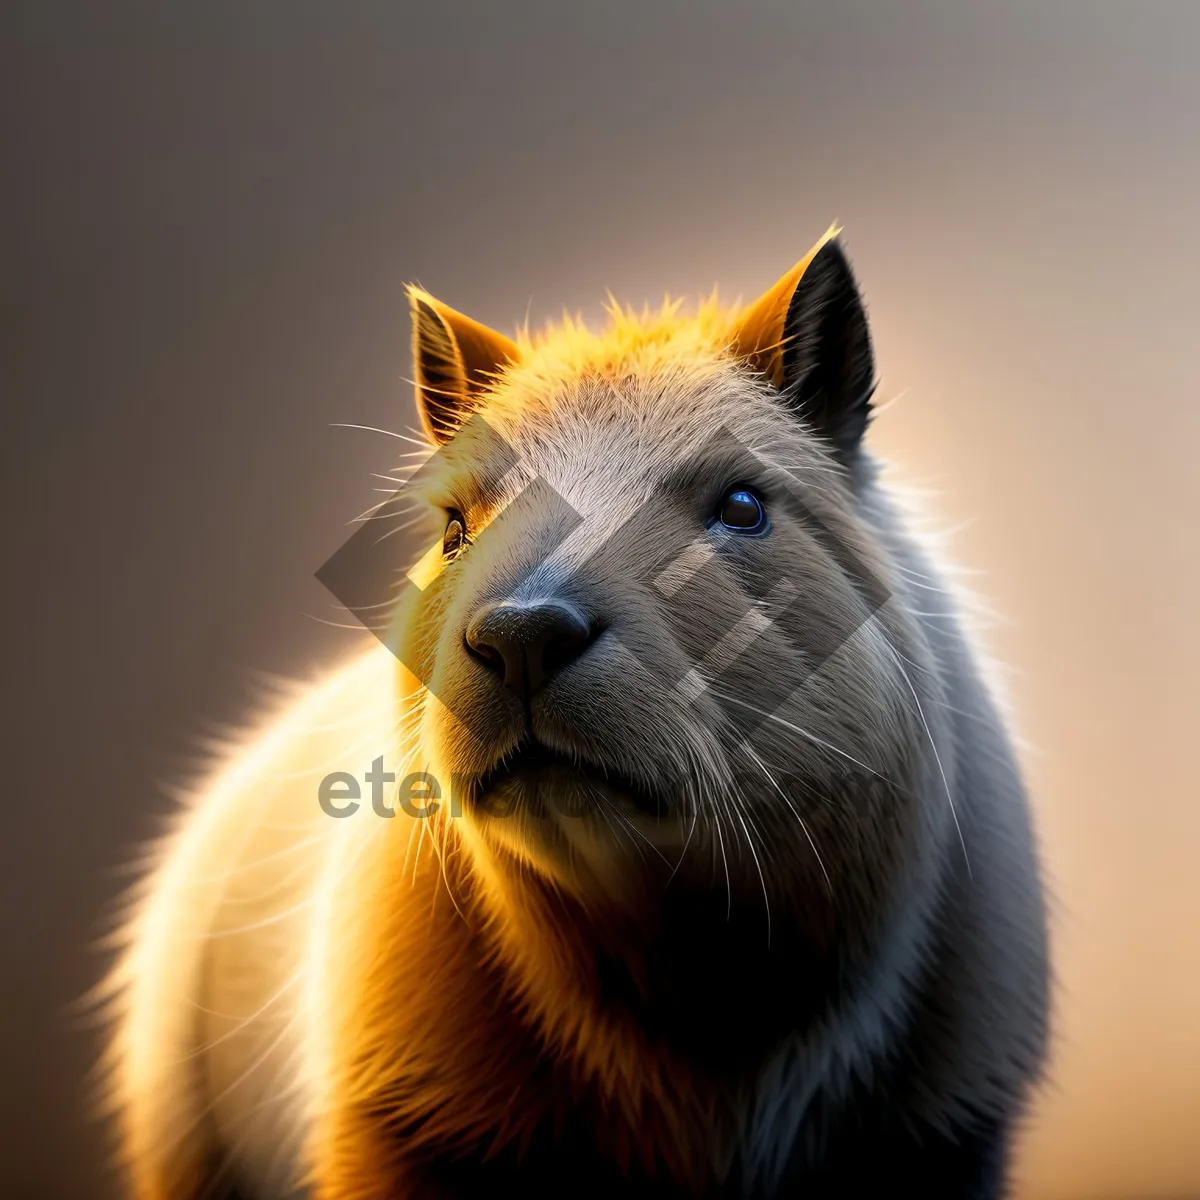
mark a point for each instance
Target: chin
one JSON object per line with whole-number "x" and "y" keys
{"x": 588, "y": 830}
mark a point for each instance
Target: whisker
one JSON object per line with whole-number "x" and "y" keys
{"x": 725, "y": 863}
{"x": 937, "y": 757}
{"x": 372, "y": 429}
{"x": 686, "y": 843}
{"x": 761, "y": 878}
{"x": 771, "y": 778}
{"x": 804, "y": 733}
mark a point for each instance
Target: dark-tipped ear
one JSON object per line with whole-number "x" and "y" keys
{"x": 809, "y": 336}
{"x": 454, "y": 359}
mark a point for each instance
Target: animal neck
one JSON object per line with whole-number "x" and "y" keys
{"x": 692, "y": 979}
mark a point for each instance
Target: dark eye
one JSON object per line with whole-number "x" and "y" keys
{"x": 454, "y": 540}
{"x": 742, "y": 511}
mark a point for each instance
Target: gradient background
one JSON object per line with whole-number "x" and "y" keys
{"x": 209, "y": 211}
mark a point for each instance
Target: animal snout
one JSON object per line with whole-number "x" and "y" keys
{"x": 527, "y": 644}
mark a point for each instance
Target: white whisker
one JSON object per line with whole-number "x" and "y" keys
{"x": 750, "y": 750}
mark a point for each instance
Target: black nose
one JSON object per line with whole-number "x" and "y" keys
{"x": 528, "y": 643}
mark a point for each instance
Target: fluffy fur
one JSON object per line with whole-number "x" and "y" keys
{"x": 816, "y": 962}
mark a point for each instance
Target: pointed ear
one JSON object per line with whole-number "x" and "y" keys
{"x": 808, "y": 336}
{"x": 454, "y": 359}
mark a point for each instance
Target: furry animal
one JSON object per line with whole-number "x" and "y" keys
{"x": 696, "y": 864}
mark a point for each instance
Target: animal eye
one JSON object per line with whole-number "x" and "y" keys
{"x": 742, "y": 511}
{"x": 454, "y": 540}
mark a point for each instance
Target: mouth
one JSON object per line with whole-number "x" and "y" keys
{"x": 536, "y": 773}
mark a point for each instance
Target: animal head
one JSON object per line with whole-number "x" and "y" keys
{"x": 653, "y": 633}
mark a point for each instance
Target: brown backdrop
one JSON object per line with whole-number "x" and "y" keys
{"x": 209, "y": 211}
